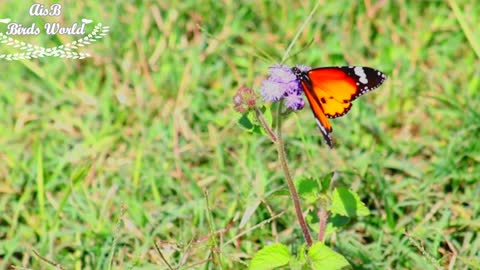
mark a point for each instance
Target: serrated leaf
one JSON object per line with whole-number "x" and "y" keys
{"x": 347, "y": 203}
{"x": 308, "y": 189}
{"x": 270, "y": 257}
{"x": 248, "y": 121}
{"x": 325, "y": 258}
{"x": 334, "y": 223}
{"x": 245, "y": 121}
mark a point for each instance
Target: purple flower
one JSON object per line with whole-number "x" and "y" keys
{"x": 294, "y": 102}
{"x": 272, "y": 90}
{"x": 281, "y": 73}
{"x": 303, "y": 68}
{"x": 282, "y": 83}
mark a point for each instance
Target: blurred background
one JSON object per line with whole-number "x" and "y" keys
{"x": 102, "y": 157}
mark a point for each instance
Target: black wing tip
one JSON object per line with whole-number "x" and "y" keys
{"x": 366, "y": 79}
{"x": 325, "y": 133}
{"x": 329, "y": 141}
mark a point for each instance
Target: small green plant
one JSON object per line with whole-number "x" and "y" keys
{"x": 329, "y": 206}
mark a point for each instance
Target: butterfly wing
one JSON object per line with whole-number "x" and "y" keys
{"x": 322, "y": 120}
{"x": 336, "y": 87}
{"x": 331, "y": 90}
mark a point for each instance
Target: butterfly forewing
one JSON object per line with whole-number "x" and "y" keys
{"x": 334, "y": 90}
{"x": 366, "y": 79}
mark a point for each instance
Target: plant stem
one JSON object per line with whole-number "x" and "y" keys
{"x": 322, "y": 213}
{"x": 322, "y": 221}
{"x": 293, "y": 190}
{"x": 265, "y": 125}
{"x": 277, "y": 140}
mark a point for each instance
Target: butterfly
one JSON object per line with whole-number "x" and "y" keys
{"x": 331, "y": 90}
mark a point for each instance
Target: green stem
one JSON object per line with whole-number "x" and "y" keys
{"x": 265, "y": 125}
{"x": 291, "y": 186}
{"x": 277, "y": 140}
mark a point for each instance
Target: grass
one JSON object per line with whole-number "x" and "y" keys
{"x": 102, "y": 158}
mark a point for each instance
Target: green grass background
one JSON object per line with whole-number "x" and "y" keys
{"x": 100, "y": 158}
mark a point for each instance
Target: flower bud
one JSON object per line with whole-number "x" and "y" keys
{"x": 244, "y": 100}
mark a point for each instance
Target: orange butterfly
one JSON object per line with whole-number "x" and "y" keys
{"x": 331, "y": 90}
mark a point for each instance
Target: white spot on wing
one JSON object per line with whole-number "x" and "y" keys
{"x": 362, "y": 77}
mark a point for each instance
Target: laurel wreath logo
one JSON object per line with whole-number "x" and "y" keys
{"x": 62, "y": 51}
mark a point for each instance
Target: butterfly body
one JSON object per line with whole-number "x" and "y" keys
{"x": 331, "y": 90}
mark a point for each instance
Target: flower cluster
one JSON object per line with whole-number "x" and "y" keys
{"x": 244, "y": 99}
{"x": 282, "y": 83}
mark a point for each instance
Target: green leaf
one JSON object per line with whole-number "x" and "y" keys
{"x": 327, "y": 179}
{"x": 323, "y": 257}
{"x": 245, "y": 121}
{"x": 248, "y": 122}
{"x": 308, "y": 189}
{"x": 347, "y": 203}
{"x": 300, "y": 262}
{"x": 335, "y": 222}
{"x": 301, "y": 255}
{"x": 270, "y": 257}
{"x": 267, "y": 113}
{"x": 312, "y": 220}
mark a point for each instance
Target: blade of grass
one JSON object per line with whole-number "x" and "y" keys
{"x": 116, "y": 232}
{"x": 466, "y": 30}
{"x": 300, "y": 30}
{"x": 215, "y": 249}
{"x": 40, "y": 186}
{"x": 138, "y": 167}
